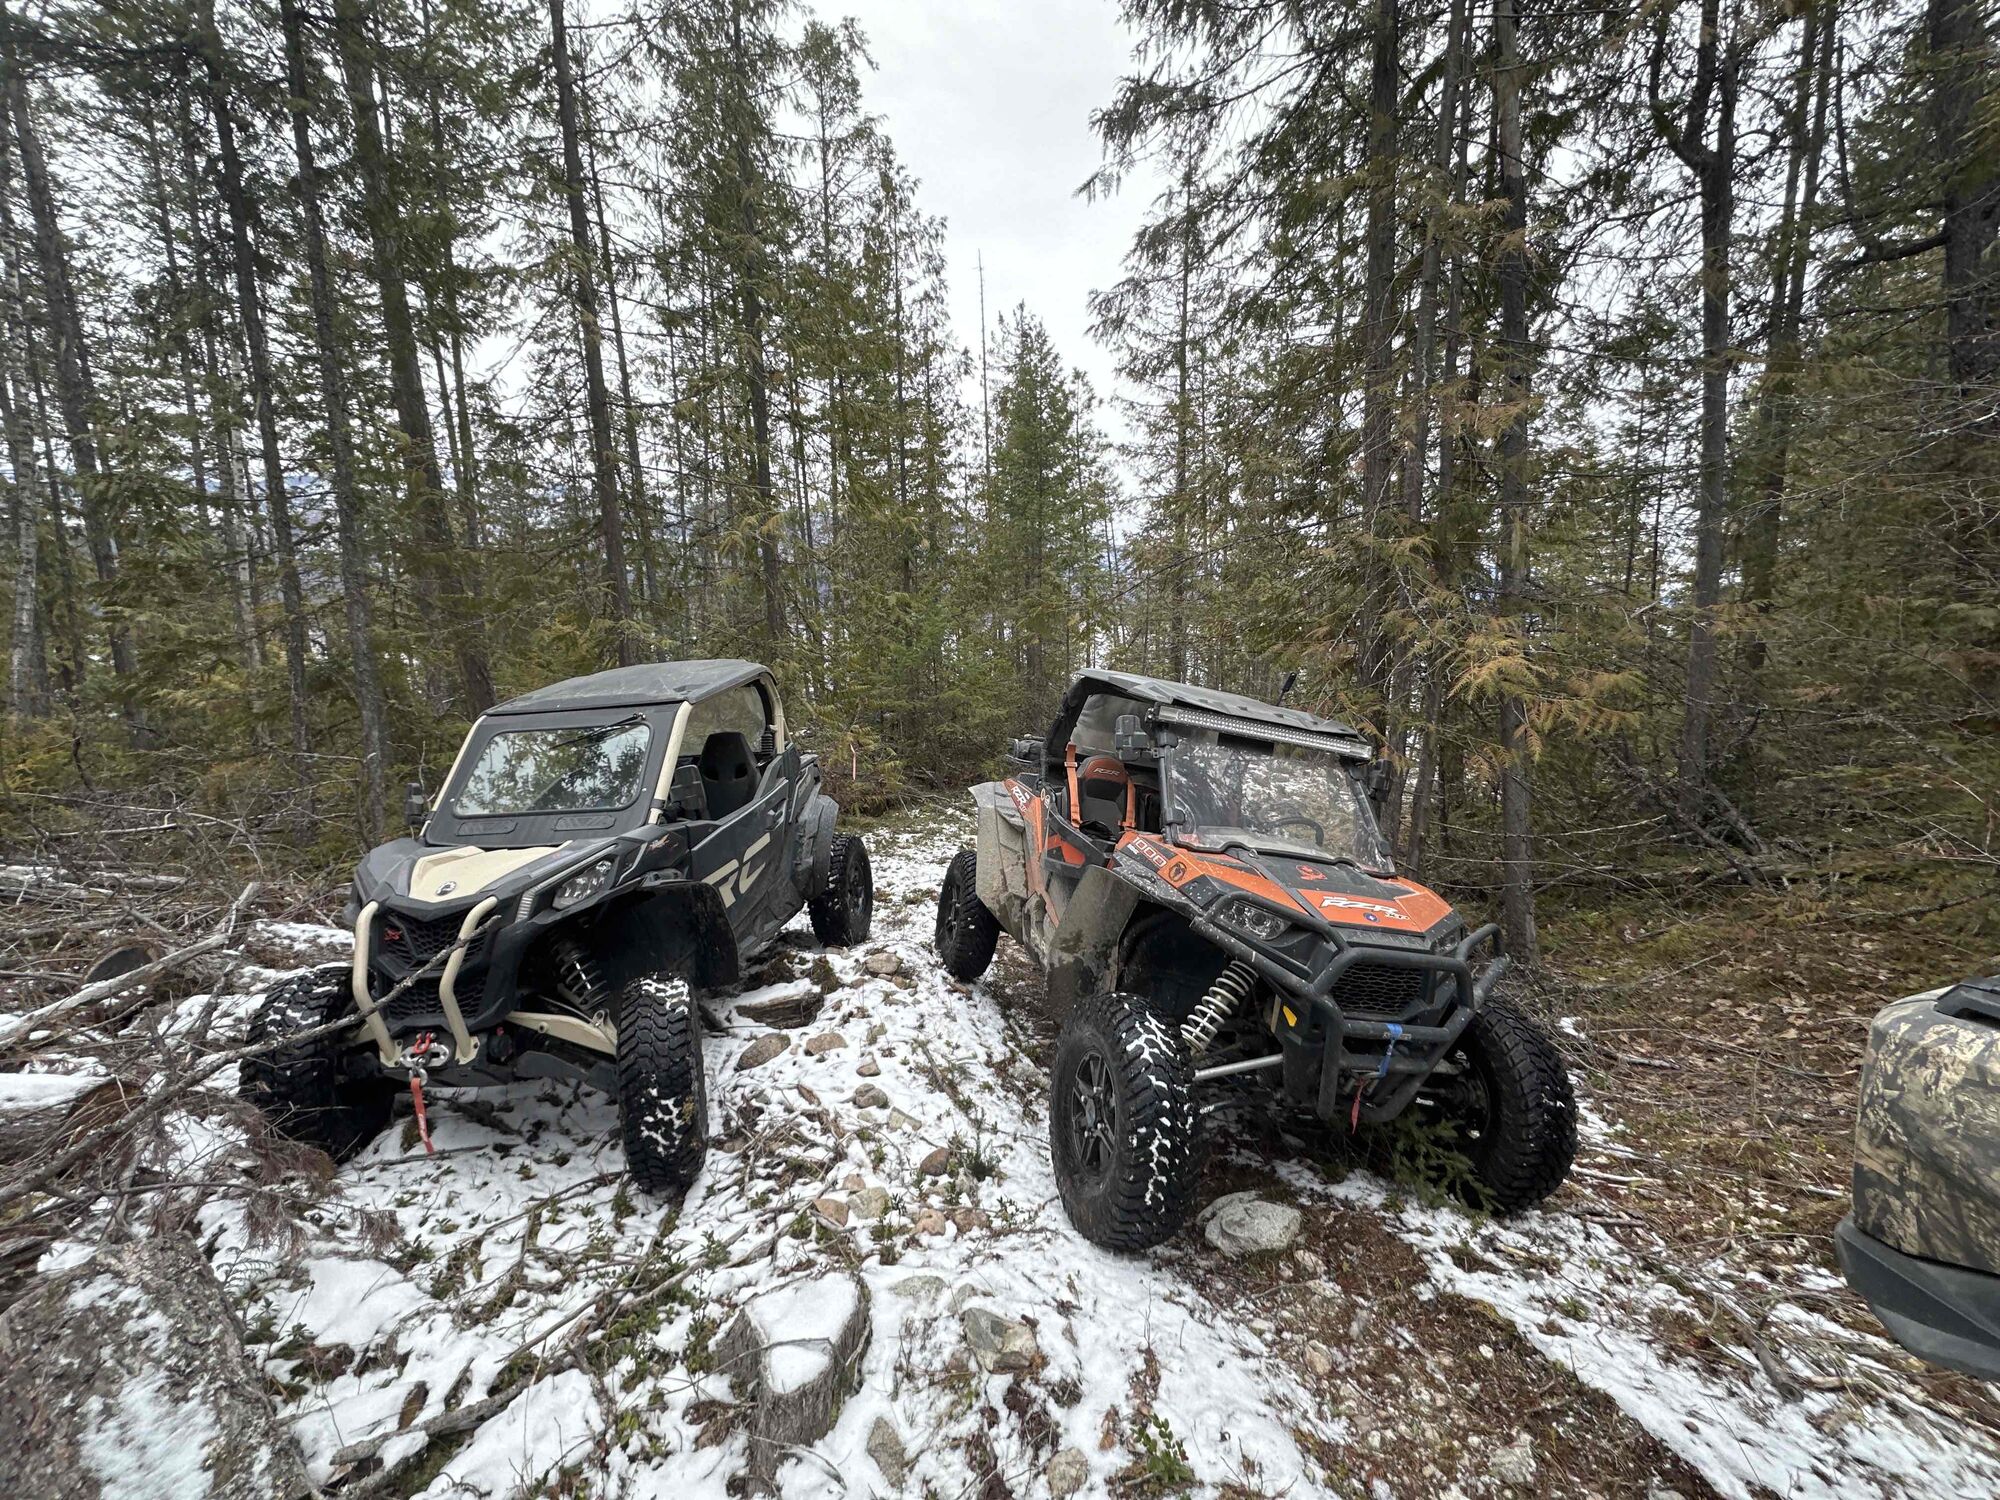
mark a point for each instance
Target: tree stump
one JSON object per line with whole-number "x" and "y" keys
{"x": 793, "y": 1355}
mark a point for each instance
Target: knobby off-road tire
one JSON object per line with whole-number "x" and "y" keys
{"x": 662, "y": 1090}
{"x": 843, "y": 913}
{"x": 1124, "y": 1133}
{"x": 1518, "y": 1124}
{"x": 299, "y": 1086}
{"x": 967, "y": 932}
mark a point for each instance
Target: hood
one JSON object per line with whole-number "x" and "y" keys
{"x": 1348, "y": 897}
{"x": 410, "y": 873}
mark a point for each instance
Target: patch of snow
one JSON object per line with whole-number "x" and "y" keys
{"x": 20, "y": 1092}
{"x": 141, "y": 1442}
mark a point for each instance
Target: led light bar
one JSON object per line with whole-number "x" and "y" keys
{"x": 1253, "y": 729}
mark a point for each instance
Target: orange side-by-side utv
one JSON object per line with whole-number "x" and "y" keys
{"x": 1202, "y": 877}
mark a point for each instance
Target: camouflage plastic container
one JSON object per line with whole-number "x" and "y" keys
{"x": 1923, "y": 1242}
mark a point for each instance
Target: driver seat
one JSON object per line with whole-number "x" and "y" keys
{"x": 1102, "y": 784}
{"x": 728, "y": 773}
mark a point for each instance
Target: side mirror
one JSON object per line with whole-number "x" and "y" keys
{"x": 1377, "y": 780}
{"x": 416, "y": 806}
{"x": 1128, "y": 737}
{"x": 1025, "y": 751}
{"x": 1284, "y": 689}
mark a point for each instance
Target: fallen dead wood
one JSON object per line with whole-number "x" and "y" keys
{"x": 45, "y": 1016}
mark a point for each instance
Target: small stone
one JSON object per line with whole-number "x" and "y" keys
{"x": 969, "y": 1219}
{"x": 870, "y": 1202}
{"x": 1359, "y": 1326}
{"x": 868, "y": 1068}
{"x": 762, "y": 1051}
{"x": 1319, "y": 1359}
{"x": 853, "y": 1182}
{"x": 1309, "y": 1265}
{"x": 920, "y": 1288}
{"x": 877, "y": 1032}
{"x": 882, "y": 965}
{"x": 1066, "y": 1473}
{"x": 885, "y": 1446}
{"x": 834, "y": 1210}
{"x": 1515, "y": 1463}
{"x": 870, "y": 1097}
{"x": 826, "y": 1041}
{"x": 1658, "y": 1491}
{"x": 930, "y": 1221}
{"x": 965, "y": 1296}
{"x": 1244, "y": 1224}
{"x": 900, "y": 1121}
{"x": 935, "y": 1162}
{"x": 999, "y": 1344}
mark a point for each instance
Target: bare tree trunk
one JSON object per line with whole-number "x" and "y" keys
{"x": 340, "y": 442}
{"x": 603, "y": 449}
{"x": 1517, "y": 886}
{"x": 1776, "y": 400}
{"x": 250, "y": 314}
{"x": 750, "y": 301}
{"x": 74, "y": 396}
{"x": 442, "y": 592}
{"x": 1378, "y": 414}
{"x": 24, "y": 697}
{"x": 1962, "y": 57}
{"x": 1713, "y": 169}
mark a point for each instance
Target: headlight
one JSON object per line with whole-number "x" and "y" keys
{"x": 1248, "y": 917}
{"x": 584, "y": 886}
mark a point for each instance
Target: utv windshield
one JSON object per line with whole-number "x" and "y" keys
{"x": 1284, "y": 798}
{"x": 526, "y": 771}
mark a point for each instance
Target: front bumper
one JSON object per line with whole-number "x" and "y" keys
{"x": 1946, "y": 1314}
{"x": 1330, "y": 1053}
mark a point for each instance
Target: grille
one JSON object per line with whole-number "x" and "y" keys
{"x": 1381, "y": 990}
{"x": 416, "y": 941}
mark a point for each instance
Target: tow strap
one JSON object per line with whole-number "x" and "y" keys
{"x": 422, "y": 1049}
{"x": 1363, "y": 1090}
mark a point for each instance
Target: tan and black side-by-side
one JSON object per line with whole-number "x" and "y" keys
{"x": 601, "y": 849}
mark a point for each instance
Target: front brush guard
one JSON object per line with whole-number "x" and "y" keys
{"x": 1409, "y": 1052}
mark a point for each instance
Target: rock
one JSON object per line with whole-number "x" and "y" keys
{"x": 870, "y": 1203}
{"x": 999, "y": 1344}
{"x": 935, "y": 1162}
{"x": 885, "y": 1446}
{"x": 1309, "y": 1265}
{"x": 1244, "y": 1224}
{"x": 788, "y": 1011}
{"x": 868, "y": 1068}
{"x": 126, "y": 1375}
{"x": 920, "y": 1288}
{"x": 965, "y": 1296}
{"x": 833, "y": 1210}
{"x": 853, "y": 1182}
{"x": 762, "y": 1051}
{"x": 1515, "y": 1463}
{"x": 793, "y": 1355}
{"x": 877, "y": 1032}
{"x": 930, "y": 1221}
{"x": 826, "y": 1041}
{"x": 1319, "y": 1359}
{"x": 1066, "y": 1473}
{"x": 900, "y": 1121}
{"x": 1655, "y": 1490}
{"x": 969, "y": 1219}
{"x": 870, "y": 1097}
{"x": 882, "y": 965}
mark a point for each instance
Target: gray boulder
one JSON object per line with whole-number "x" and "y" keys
{"x": 1245, "y": 1224}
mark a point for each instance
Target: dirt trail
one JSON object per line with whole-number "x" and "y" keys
{"x": 1396, "y": 1350}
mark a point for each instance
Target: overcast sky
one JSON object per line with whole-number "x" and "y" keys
{"x": 988, "y": 103}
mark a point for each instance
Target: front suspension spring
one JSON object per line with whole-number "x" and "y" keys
{"x": 1232, "y": 987}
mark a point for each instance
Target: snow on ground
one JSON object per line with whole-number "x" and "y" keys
{"x": 420, "y": 1284}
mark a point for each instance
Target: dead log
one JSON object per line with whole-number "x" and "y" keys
{"x": 126, "y": 1375}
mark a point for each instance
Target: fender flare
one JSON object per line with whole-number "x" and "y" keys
{"x": 1084, "y": 946}
{"x": 680, "y": 928}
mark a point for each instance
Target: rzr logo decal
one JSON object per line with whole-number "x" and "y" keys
{"x": 735, "y": 878}
{"x": 1307, "y": 872}
{"x": 1373, "y": 911}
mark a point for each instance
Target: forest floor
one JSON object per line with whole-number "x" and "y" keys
{"x": 1670, "y": 1323}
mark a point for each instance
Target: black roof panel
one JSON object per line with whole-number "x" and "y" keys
{"x": 1157, "y": 690}
{"x": 636, "y": 686}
